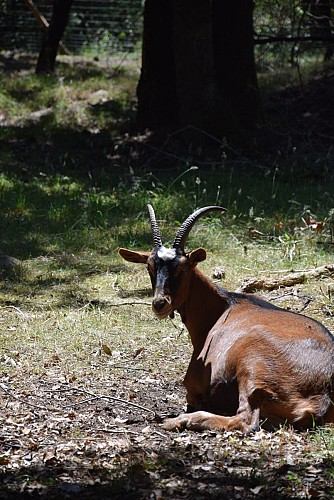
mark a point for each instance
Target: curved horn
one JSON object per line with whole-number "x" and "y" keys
{"x": 184, "y": 230}
{"x": 155, "y": 228}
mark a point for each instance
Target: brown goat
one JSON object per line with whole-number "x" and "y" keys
{"x": 251, "y": 360}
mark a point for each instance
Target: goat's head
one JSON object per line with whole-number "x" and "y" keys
{"x": 170, "y": 268}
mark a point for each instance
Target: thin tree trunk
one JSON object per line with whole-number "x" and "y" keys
{"x": 58, "y": 23}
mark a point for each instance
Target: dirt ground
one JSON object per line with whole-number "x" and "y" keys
{"x": 61, "y": 440}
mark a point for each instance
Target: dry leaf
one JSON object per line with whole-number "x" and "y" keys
{"x": 106, "y": 349}
{"x": 254, "y": 233}
{"x": 138, "y": 351}
{"x": 278, "y": 224}
{"x": 218, "y": 273}
{"x": 257, "y": 489}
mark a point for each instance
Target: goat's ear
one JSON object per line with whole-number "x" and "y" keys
{"x": 131, "y": 256}
{"x": 197, "y": 256}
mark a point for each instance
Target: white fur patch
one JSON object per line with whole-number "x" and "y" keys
{"x": 166, "y": 253}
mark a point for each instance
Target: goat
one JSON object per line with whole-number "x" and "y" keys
{"x": 251, "y": 361}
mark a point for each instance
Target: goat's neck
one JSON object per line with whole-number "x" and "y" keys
{"x": 202, "y": 308}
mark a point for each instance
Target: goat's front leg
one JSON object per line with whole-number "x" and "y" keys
{"x": 246, "y": 420}
{"x": 203, "y": 420}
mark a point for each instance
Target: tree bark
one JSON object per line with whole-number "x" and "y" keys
{"x": 156, "y": 89}
{"x": 322, "y": 25}
{"x": 48, "y": 53}
{"x": 235, "y": 61}
{"x": 198, "y": 97}
{"x": 198, "y": 67}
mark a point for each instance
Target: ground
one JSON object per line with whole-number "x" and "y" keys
{"x": 60, "y": 441}
{"x": 84, "y": 423}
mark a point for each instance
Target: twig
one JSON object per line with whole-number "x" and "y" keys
{"x": 112, "y": 398}
{"x": 292, "y": 39}
{"x": 84, "y": 401}
{"x": 134, "y": 303}
{"x": 117, "y": 431}
{"x": 308, "y": 301}
{"x": 7, "y": 391}
{"x": 93, "y": 396}
{"x": 130, "y": 368}
{"x": 278, "y": 297}
{"x": 15, "y": 309}
{"x": 159, "y": 434}
{"x": 119, "y": 304}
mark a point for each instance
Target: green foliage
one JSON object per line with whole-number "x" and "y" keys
{"x": 288, "y": 22}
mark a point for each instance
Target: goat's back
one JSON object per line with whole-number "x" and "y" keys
{"x": 285, "y": 357}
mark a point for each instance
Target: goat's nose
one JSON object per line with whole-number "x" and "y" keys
{"x": 159, "y": 303}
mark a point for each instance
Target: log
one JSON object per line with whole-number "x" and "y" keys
{"x": 254, "y": 284}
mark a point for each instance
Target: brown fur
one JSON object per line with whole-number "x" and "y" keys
{"x": 251, "y": 360}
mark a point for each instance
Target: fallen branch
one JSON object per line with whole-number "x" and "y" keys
{"x": 112, "y": 398}
{"x": 71, "y": 405}
{"x": 252, "y": 284}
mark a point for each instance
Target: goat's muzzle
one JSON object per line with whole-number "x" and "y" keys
{"x": 162, "y": 306}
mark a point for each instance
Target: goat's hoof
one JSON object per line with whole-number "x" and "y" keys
{"x": 174, "y": 424}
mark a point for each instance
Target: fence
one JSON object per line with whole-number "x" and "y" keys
{"x": 95, "y": 27}
{"x": 104, "y": 27}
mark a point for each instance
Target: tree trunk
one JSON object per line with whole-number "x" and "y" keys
{"x": 156, "y": 89}
{"x": 58, "y": 23}
{"x": 198, "y": 98}
{"x": 235, "y": 62}
{"x": 198, "y": 67}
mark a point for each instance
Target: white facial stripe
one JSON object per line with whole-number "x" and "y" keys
{"x": 166, "y": 253}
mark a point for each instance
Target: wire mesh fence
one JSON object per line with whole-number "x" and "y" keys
{"x": 282, "y": 30}
{"x": 98, "y": 27}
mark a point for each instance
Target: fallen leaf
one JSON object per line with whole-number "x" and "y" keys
{"x": 138, "y": 351}
{"x": 254, "y": 233}
{"x": 50, "y": 457}
{"x": 106, "y": 349}
{"x": 257, "y": 489}
{"x": 4, "y": 460}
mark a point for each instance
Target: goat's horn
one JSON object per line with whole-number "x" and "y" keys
{"x": 184, "y": 230}
{"x": 155, "y": 228}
